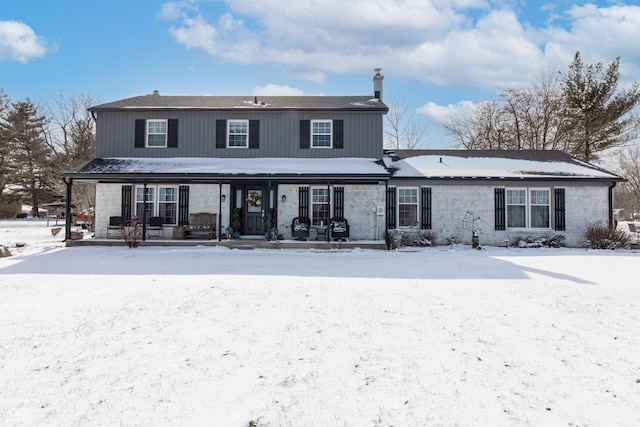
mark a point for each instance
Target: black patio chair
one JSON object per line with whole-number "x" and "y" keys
{"x": 300, "y": 228}
{"x": 339, "y": 228}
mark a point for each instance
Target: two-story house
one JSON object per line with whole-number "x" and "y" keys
{"x": 274, "y": 158}
{"x": 271, "y": 159}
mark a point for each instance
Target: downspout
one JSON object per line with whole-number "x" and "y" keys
{"x": 611, "y": 218}
{"x": 67, "y": 208}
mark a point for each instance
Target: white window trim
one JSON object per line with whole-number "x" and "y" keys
{"x": 311, "y": 203}
{"x": 229, "y": 121}
{"x": 417, "y": 204}
{"x": 527, "y": 209}
{"x": 166, "y": 133}
{"x": 330, "y": 133}
{"x": 156, "y": 200}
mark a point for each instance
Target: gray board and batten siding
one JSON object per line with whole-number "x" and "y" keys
{"x": 279, "y": 125}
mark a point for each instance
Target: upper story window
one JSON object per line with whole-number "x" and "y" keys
{"x": 407, "y": 207}
{"x": 321, "y": 133}
{"x": 156, "y": 133}
{"x": 238, "y": 133}
{"x": 528, "y": 208}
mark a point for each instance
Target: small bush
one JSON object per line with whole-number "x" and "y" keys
{"x": 556, "y": 241}
{"x": 422, "y": 238}
{"x": 598, "y": 237}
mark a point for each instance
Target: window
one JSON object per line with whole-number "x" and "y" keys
{"x": 165, "y": 205}
{"x": 533, "y": 213}
{"x": 407, "y": 207}
{"x": 238, "y": 131}
{"x": 319, "y": 205}
{"x": 321, "y": 133}
{"x": 140, "y": 204}
{"x": 156, "y": 133}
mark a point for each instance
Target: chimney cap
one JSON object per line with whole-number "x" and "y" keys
{"x": 377, "y": 70}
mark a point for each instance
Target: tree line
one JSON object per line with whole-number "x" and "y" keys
{"x": 41, "y": 141}
{"x": 580, "y": 112}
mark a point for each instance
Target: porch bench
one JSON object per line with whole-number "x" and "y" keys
{"x": 202, "y": 226}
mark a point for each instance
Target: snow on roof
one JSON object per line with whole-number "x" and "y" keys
{"x": 235, "y": 166}
{"x": 451, "y": 166}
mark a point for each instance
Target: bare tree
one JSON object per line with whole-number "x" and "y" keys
{"x": 401, "y": 131}
{"x": 579, "y": 113}
{"x": 628, "y": 196}
{"x": 70, "y": 133}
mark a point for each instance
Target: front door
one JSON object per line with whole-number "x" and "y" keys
{"x": 254, "y": 211}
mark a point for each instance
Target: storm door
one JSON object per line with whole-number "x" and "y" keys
{"x": 254, "y": 208}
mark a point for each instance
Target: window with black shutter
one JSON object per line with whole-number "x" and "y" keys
{"x": 125, "y": 203}
{"x": 500, "y": 219}
{"x": 391, "y": 207}
{"x": 425, "y": 201}
{"x": 559, "y": 210}
{"x": 183, "y": 205}
{"x": 338, "y": 202}
{"x": 303, "y": 202}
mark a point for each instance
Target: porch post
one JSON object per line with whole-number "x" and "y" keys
{"x": 144, "y": 212}
{"x": 328, "y": 231}
{"x": 219, "y": 224}
{"x": 67, "y": 208}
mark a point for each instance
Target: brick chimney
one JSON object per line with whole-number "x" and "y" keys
{"x": 377, "y": 84}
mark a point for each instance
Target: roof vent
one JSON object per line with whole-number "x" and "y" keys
{"x": 156, "y": 92}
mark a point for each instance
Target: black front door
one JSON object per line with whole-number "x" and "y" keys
{"x": 254, "y": 209}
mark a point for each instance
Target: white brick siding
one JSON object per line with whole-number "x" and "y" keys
{"x": 584, "y": 205}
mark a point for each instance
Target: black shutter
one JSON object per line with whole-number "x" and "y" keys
{"x": 391, "y": 208}
{"x": 338, "y": 202}
{"x": 140, "y": 131}
{"x": 338, "y": 134}
{"x": 125, "y": 203}
{"x": 305, "y": 134}
{"x": 221, "y": 133}
{"x": 500, "y": 210}
{"x": 426, "y": 208}
{"x": 560, "y": 224}
{"x": 172, "y": 133}
{"x": 254, "y": 133}
{"x": 183, "y": 205}
{"x": 303, "y": 202}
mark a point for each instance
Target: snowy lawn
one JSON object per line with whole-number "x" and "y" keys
{"x": 218, "y": 337}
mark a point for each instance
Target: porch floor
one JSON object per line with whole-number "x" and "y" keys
{"x": 238, "y": 244}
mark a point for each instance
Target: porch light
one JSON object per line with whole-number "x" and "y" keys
{"x": 283, "y": 198}
{"x": 223, "y": 198}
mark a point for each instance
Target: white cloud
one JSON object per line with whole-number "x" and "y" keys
{"x": 18, "y": 42}
{"x": 461, "y": 43}
{"x": 442, "y": 113}
{"x": 277, "y": 90}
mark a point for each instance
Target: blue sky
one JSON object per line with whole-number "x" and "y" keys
{"x": 437, "y": 56}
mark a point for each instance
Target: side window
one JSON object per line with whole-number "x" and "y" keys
{"x": 540, "y": 208}
{"x": 321, "y": 133}
{"x": 238, "y": 133}
{"x": 407, "y": 207}
{"x": 516, "y": 208}
{"x": 168, "y": 204}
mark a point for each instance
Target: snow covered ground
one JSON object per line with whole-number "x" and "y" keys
{"x": 220, "y": 337}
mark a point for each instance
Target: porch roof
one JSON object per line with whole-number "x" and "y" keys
{"x": 229, "y": 169}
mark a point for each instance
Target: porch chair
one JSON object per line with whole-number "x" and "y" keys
{"x": 339, "y": 228}
{"x": 300, "y": 228}
{"x": 155, "y": 227}
{"x": 114, "y": 229}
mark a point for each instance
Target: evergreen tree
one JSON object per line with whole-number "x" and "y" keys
{"x": 601, "y": 117}
{"x": 30, "y": 156}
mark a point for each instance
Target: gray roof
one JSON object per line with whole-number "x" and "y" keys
{"x": 155, "y": 101}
